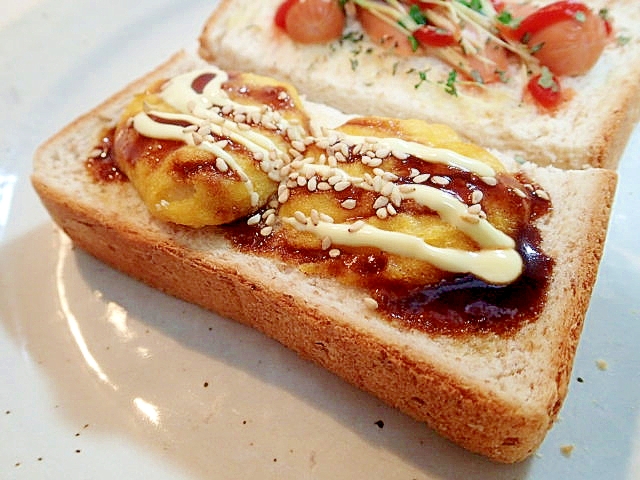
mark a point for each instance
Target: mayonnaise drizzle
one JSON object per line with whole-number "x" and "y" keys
{"x": 493, "y": 265}
{"x": 497, "y": 261}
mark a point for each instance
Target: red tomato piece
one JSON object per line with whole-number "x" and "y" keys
{"x": 281, "y": 13}
{"x": 548, "y": 15}
{"x": 432, "y": 36}
{"x": 547, "y": 93}
{"x": 498, "y": 5}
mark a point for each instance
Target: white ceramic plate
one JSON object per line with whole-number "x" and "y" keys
{"x": 102, "y": 377}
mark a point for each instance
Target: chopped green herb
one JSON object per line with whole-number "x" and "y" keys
{"x": 414, "y": 43}
{"x": 472, "y": 4}
{"x": 354, "y": 63}
{"x": 506, "y": 18}
{"x": 623, "y": 39}
{"x": 580, "y": 17}
{"x": 450, "y": 86}
{"x": 423, "y": 78}
{"x": 417, "y": 15}
{"x": 546, "y": 80}
{"x": 536, "y": 48}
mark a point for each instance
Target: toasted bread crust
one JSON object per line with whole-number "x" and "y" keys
{"x": 493, "y": 395}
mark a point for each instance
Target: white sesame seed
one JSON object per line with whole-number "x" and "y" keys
{"x": 300, "y": 217}
{"x": 440, "y": 180}
{"x": 221, "y": 164}
{"x": 354, "y": 227}
{"x": 299, "y": 145}
{"x": 491, "y": 181}
{"x": 387, "y": 189}
{"x": 324, "y": 186}
{"x": 383, "y": 152}
{"x": 349, "y": 204}
{"x": 476, "y": 196}
{"x": 382, "y": 213}
{"x": 326, "y": 218}
{"x": 255, "y": 198}
{"x": 406, "y": 188}
{"x": 396, "y": 196}
{"x": 380, "y": 202}
{"x": 333, "y": 179}
{"x": 370, "y": 303}
{"x": 268, "y": 212}
{"x": 399, "y": 154}
{"x": 342, "y": 185}
{"x": 375, "y": 162}
{"x": 542, "y": 194}
{"x": 284, "y": 195}
{"x": 391, "y": 209}
{"x": 204, "y": 130}
{"x": 254, "y": 219}
{"x": 197, "y": 138}
{"x": 271, "y": 219}
{"x": 421, "y": 178}
{"x": 312, "y": 184}
{"x": 334, "y": 252}
{"x": 266, "y": 231}
{"x": 474, "y": 209}
{"x": 314, "y": 216}
{"x": 301, "y": 181}
{"x": 326, "y": 243}
{"x": 519, "y": 193}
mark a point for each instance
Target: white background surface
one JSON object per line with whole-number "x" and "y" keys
{"x": 102, "y": 378}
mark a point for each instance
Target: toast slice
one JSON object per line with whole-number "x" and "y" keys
{"x": 493, "y": 394}
{"x": 355, "y": 74}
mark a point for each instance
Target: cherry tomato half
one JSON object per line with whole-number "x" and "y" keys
{"x": 311, "y": 21}
{"x": 548, "y": 15}
{"x": 280, "y": 18}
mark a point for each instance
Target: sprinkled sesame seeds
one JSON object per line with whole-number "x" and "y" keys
{"x": 254, "y": 219}
{"x": 542, "y": 194}
{"x": 440, "y": 180}
{"x": 421, "y": 178}
{"x": 349, "y": 204}
{"x": 370, "y": 303}
{"x": 354, "y": 227}
{"x": 334, "y": 253}
{"x": 221, "y": 164}
{"x": 266, "y": 231}
{"x": 342, "y": 185}
{"x": 380, "y": 202}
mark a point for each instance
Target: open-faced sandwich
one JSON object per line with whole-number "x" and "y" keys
{"x": 449, "y": 281}
{"x": 553, "y": 82}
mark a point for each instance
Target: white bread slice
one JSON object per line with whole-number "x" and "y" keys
{"x": 590, "y": 129}
{"x": 492, "y": 394}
